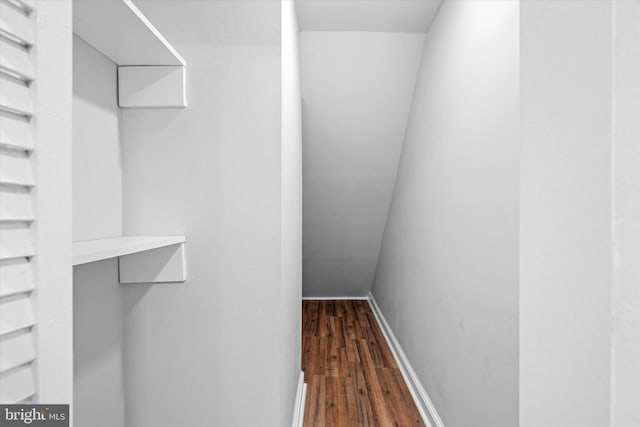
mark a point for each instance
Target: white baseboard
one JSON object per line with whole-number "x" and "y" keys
{"x": 419, "y": 394}
{"x": 335, "y": 298}
{"x": 298, "y": 407}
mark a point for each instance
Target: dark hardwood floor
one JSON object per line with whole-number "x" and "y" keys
{"x": 352, "y": 378}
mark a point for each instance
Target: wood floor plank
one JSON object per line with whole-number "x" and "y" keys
{"x": 322, "y": 319}
{"x": 382, "y": 346}
{"x": 305, "y": 350}
{"x": 349, "y": 386}
{"x": 394, "y": 401}
{"x": 348, "y": 328}
{"x": 341, "y": 309}
{"x": 332, "y": 362}
{"x": 363, "y": 404}
{"x": 352, "y": 351}
{"x": 352, "y": 377}
{"x": 314, "y": 411}
{"x": 376, "y": 355}
{"x": 316, "y": 365}
{"x": 310, "y": 316}
{"x": 330, "y": 308}
{"x": 335, "y": 324}
{"x": 336, "y": 409}
{"x": 395, "y": 377}
{"x": 343, "y": 363}
{"x": 373, "y": 386}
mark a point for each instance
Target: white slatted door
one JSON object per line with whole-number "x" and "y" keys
{"x": 17, "y": 220}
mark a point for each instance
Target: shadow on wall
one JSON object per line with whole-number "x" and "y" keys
{"x": 98, "y": 329}
{"x": 101, "y": 306}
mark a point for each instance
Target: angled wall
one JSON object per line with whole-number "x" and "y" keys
{"x": 356, "y": 91}
{"x": 447, "y": 278}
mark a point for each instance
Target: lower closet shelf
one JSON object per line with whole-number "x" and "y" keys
{"x": 141, "y": 259}
{"x": 95, "y": 250}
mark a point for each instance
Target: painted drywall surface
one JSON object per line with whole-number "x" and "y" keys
{"x": 206, "y": 348}
{"x": 98, "y": 337}
{"x": 626, "y": 292}
{"x": 356, "y": 91}
{"x": 291, "y": 219}
{"x": 565, "y": 221}
{"x": 97, "y": 212}
{"x": 447, "y": 278}
{"x": 97, "y": 168}
{"x": 390, "y": 16}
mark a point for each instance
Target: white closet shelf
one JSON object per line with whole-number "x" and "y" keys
{"x": 119, "y": 30}
{"x": 95, "y": 250}
{"x": 151, "y": 73}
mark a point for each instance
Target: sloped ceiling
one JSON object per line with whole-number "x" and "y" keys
{"x": 396, "y": 16}
{"x": 357, "y": 89}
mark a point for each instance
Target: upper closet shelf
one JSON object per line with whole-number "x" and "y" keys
{"x": 119, "y": 30}
{"x": 151, "y": 74}
{"x": 99, "y": 249}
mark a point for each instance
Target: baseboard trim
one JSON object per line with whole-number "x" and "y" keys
{"x": 335, "y": 298}
{"x": 421, "y": 398}
{"x": 298, "y": 408}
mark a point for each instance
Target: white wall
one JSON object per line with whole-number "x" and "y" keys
{"x": 388, "y": 16}
{"x": 626, "y": 292}
{"x": 565, "y": 229}
{"x": 98, "y": 329}
{"x": 291, "y": 217}
{"x": 97, "y": 166}
{"x": 356, "y": 90}
{"x": 447, "y": 278}
{"x": 98, "y": 326}
{"x": 213, "y": 346}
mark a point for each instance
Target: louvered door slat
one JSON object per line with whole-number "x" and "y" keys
{"x": 17, "y": 385}
{"x": 15, "y": 168}
{"x": 15, "y": 204}
{"x": 15, "y": 131}
{"x": 15, "y": 350}
{"x": 15, "y": 96}
{"x": 15, "y": 241}
{"x": 15, "y": 24}
{"x": 16, "y": 313}
{"x": 27, "y": 5}
{"x": 16, "y": 276}
{"x": 15, "y": 60}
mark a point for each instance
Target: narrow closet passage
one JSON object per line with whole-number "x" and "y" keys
{"x": 351, "y": 375}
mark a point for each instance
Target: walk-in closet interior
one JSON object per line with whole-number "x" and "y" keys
{"x": 320, "y": 213}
